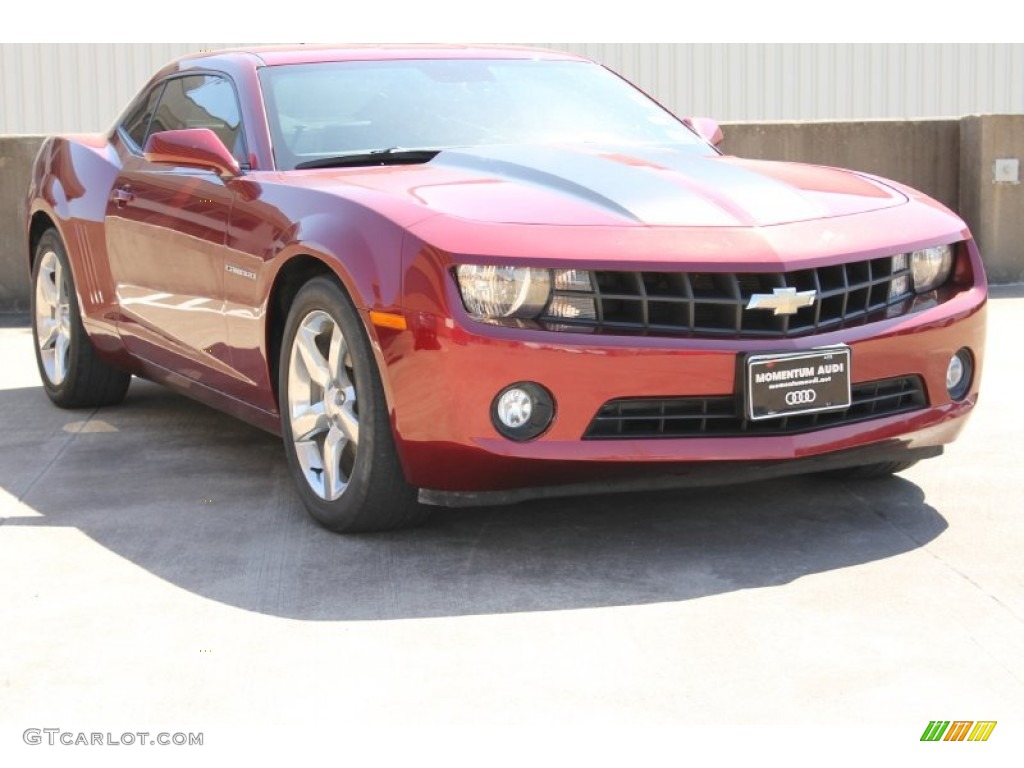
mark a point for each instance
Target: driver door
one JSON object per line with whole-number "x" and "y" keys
{"x": 166, "y": 228}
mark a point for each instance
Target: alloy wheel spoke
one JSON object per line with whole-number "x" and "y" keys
{"x": 348, "y": 423}
{"x": 48, "y": 287}
{"x": 309, "y": 421}
{"x": 333, "y": 445}
{"x": 49, "y": 330}
{"x": 315, "y": 364}
{"x": 336, "y": 355}
{"x": 64, "y": 319}
{"x": 60, "y": 350}
{"x": 58, "y": 282}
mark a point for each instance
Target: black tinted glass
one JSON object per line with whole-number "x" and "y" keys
{"x": 202, "y": 101}
{"x": 138, "y": 121}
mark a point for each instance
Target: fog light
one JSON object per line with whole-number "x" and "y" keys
{"x": 522, "y": 411}
{"x": 515, "y": 407}
{"x": 958, "y": 374}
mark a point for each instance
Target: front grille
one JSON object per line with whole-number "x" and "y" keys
{"x": 722, "y": 416}
{"x": 714, "y": 303}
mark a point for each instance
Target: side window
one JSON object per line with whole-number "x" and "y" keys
{"x": 202, "y": 101}
{"x": 137, "y": 122}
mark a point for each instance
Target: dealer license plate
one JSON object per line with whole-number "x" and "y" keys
{"x": 801, "y": 382}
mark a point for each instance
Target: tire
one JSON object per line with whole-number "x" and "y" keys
{"x": 73, "y": 375}
{"x": 334, "y": 418}
{"x": 869, "y": 471}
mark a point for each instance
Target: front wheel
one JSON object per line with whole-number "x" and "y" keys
{"x": 334, "y": 418}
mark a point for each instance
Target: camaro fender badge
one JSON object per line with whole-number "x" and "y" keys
{"x": 239, "y": 271}
{"x": 785, "y": 301}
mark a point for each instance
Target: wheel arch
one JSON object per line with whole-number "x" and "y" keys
{"x": 292, "y": 275}
{"x": 297, "y": 270}
{"x": 39, "y": 223}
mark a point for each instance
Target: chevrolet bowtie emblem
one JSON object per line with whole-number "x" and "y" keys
{"x": 785, "y": 301}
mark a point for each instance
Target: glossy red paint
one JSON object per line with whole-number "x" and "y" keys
{"x": 196, "y": 147}
{"x": 178, "y": 268}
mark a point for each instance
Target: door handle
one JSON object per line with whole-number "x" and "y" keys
{"x": 122, "y": 196}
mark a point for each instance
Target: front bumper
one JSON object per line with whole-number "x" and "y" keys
{"x": 444, "y": 372}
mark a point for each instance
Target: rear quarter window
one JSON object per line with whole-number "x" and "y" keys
{"x": 136, "y": 125}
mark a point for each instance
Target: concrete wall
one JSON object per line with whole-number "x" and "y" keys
{"x": 994, "y": 208}
{"x": 951, "y": 160}
{"x": 16, "y": 156}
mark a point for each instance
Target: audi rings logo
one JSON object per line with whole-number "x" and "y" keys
{"x": 801, "y": 397}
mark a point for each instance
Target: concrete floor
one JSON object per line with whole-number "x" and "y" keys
{"x": 156, "y": 566}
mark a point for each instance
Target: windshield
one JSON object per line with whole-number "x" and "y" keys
{"x": 319, "y": 111}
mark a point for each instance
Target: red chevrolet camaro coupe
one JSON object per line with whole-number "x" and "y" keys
{"x": 467, "y": 275}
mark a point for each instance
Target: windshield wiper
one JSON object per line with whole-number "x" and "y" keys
{"x": 389, "y": 156}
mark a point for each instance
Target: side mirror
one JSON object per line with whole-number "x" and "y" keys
{"x": 196, "y": 147}
{"x": 706, "y": 128}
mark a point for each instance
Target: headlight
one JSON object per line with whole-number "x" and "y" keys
{"x": 491, "y": 293}
{"x": 930, "y": 267}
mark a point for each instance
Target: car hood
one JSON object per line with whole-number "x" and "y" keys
{"x": 624, "y": 186}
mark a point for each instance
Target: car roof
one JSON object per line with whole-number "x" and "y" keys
{"x": 278, "y": 55}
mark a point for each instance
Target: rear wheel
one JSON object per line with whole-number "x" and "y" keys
{"x": 73, "y": 375}
{"x": 334, "y": 418}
